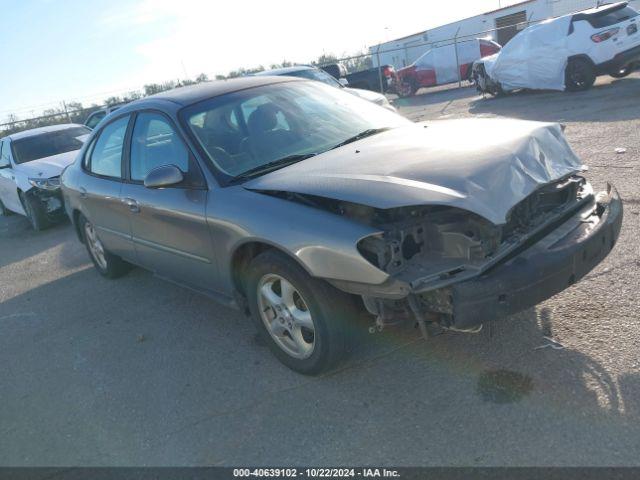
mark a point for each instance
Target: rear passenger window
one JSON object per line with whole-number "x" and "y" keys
{"x": 106, "y": 156}
{"x": 154, "y": 144}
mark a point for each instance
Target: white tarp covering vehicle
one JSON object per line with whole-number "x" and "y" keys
{"x": 567, "y": 52}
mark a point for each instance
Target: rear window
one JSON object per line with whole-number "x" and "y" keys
{"x": 608, "y": 18}
{"x": 48, "y": 144}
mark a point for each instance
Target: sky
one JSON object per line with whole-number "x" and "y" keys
{"x": 85, "y": 51}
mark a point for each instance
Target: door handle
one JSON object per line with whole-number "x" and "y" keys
{"x": 132, "y": 204}
{"x": 83, "y": 192}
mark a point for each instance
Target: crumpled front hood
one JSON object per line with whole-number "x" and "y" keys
{"x": 485, "y": 166}
{"x": 47, "y": 167}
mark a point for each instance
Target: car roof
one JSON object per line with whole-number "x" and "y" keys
{"x": 184, "y": 96}
{"x": 40, "y": 130}
{"x": 285, "y": 70}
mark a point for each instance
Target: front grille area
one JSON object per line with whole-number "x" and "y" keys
{"x": 541, "y": 204}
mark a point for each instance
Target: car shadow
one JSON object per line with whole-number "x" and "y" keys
{"x": 32, "y": 243}
{"x": 607, "y": 101}
{"x": 516, "y": 352}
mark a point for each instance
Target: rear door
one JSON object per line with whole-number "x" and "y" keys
{"x": 168, "y": 225}
{"x": 100, "y": 188}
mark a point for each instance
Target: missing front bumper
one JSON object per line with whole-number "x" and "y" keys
{"x": 549, "y": 266}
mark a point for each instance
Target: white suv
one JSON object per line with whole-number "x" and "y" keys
{"x": 565, "y": 53}
{"x": 30, "y": 166}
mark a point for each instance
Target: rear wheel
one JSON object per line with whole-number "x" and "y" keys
{"x": 579, "y": 75}
{"x": 35, "y": 211}
{"x": 622, "y": 72}
{"x": 304, "y": 320}
{"x": 108, "y": 264}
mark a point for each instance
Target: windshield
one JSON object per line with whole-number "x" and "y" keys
{"x": 319, "y": 75}
{"x": 244, "y": 130}
{"x": 48, "y": 144}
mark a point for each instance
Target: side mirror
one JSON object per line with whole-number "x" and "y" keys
{"x": 164, "y": 176}
{"x": 4, "y": 164}
{"x": 343, "y": 81}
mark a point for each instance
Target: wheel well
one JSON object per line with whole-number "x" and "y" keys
{"x": 22, "y": 197}
{"x": 242, "y": 258}
{"x": 581, "y": 57}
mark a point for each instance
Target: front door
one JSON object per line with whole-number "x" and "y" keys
{"x": 168, "y": 225}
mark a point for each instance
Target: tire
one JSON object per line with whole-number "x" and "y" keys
{"x": 327, "y": 310}
{"x": 579, "y": 75}
{"x": 107, "y": 264}
{"x": 35, "y": 211}
{"x": 407, "y": 88}
{"x": 622, "y": 72}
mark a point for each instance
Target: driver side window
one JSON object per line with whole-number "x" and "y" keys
{"x": 155, "y": 143}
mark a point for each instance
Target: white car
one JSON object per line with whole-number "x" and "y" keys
{"x": 565, "y": 53}
{"x": 30, "y": 166}
{"x": 313, "y": 73}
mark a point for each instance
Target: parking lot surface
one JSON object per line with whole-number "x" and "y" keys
{"x": 138, "y": 371}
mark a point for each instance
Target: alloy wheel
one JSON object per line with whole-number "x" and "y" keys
{"x": 95, "y": 246}
{"x": 286, "y": 316}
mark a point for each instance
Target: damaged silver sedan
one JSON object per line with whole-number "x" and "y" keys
{"x": 306, "y": 207}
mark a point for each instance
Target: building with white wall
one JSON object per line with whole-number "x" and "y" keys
{"x": 500, "y": 25}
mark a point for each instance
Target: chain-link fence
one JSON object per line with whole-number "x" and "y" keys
{"x": 445, "y": 61}
{"x": 64, "y": 115}
{"x": 448, "y": 60}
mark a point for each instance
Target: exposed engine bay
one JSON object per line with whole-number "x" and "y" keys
{"x": 427, "y": 249}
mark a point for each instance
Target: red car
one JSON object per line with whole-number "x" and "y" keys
{"x": 438, "y": 65}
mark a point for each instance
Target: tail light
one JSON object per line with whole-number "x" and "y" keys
{"x": 606, "y": 35}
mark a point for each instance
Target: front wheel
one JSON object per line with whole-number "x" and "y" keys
{"x": 108, "y": 264}
{"x": 35, "y": 210}
{"x": 579, "y": 75}
{"x": 303, "y": 319}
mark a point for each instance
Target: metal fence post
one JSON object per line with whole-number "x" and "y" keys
{"x": 66, "y": 112}
{"x": 455, "y": 44}
{"x": 379, "y": 68}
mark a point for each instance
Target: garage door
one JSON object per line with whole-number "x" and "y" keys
{"x": 507, "y": 26}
